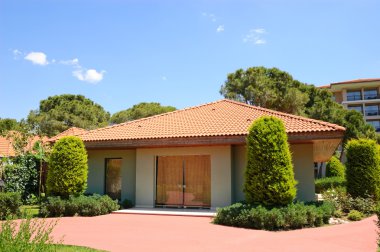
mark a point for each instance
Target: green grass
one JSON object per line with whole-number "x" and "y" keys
{"x": 30, "y": 211}
{"x": 70, "y": 248}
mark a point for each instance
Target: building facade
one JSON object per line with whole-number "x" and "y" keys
{"x": 362, "y": 95}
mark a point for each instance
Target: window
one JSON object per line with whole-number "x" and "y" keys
{"x": 357, "y": 108}
{"x": 370, "y": 94}
{"x": 113, "y": 178}
{"x": 372, "y": 110}
{"x": 375, "y": 124}
{"x": 354, "y": 95}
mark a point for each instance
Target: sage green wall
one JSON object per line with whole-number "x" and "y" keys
{"x": 221, "y": 191}
{"x": 96, "y": 171}
{"x": 302, "y": 156}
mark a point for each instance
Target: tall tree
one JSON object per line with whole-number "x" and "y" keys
{"x": 266, "y": 87}
{"x": 275, "y": 89}
{"x": 60, "y": 112}
{"x": 141, "y": 110}
{"x": 8, "y": 124}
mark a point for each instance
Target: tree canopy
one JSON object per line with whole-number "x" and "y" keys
{"x": 60, "y": 112}
{"x": 275, "y": 89}
{"x": 266, "y": 87}
{"x": 8, "y": 124}
{"x": 141, "y": 110}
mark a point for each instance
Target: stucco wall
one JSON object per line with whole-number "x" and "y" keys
{"x": 302, "y": 156}
{"x": 96, "y": 172}
{"x": 221, "y": 191}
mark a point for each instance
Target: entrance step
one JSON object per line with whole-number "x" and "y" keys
{"x": 169, "y": 212}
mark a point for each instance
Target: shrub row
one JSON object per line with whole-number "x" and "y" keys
{"x": 324, "y": 184}
{"x": 293, "y": 216}
{"x": 10, "y": 203}
{"x": 82, "y": 205}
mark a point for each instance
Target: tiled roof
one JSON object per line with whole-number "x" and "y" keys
{"x": 73, "y": 131}
{"x": 356, "y": 81}
{"x": 6, "y": 147}
{"x": 220, "y": 118}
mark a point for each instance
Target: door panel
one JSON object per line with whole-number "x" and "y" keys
{"x": 184, "y": 181}
{"x": 197, "y": 181}
{"x": 169, "y": 181}
{"x": 113, "y": 178}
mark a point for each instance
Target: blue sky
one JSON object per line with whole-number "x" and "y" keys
{"x": 119, "y": 53}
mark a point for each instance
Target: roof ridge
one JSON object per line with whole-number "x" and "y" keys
{"x": 287, "y": 114}
{"x": 150, "y": 117}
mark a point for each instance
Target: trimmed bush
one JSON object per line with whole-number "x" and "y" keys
{"x": 335, "y": 168}
{"x": 127, "y": 204}
{"x": 269, "y": 176}
{"x": 67, "y": 174}
{"x": 83, "y": 205}
{"x": 363, "y": 169}
{"x": 10, "y": 203}
{"x": 293, "y": 216}
{"x": 355, "y": 215}
{"x": 327, "y": 183}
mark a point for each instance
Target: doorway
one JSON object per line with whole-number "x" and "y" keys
{"x": 183, "y": 181}
{"x": 113, "y": 178}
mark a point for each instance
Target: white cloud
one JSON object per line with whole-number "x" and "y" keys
{"x": 255, "y": 36}
{"x": 72, "y": 62}
{"x": 16, "y": 53}
{"x": 38, "y": 58}
{"x": 220, "y": 28}
{"x": 90, "y": 75}
{"x": 210, "y": 16}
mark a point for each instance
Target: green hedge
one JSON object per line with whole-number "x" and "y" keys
{"x": 363, "y": 169}
{"x": 82, "y": 205}
{"x": 293, "y": 216}
{"x": 68, "y": 169}
{"x": 269, "y": 175}
{"x": 10, "y": 203}
{"x": 324, "y": 184}
{"x": 335, "y": 168}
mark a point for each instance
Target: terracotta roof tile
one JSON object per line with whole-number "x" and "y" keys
{"x": 73, "y": 131}
{"x": 356, "y": 81}
{"x": 220, "y": 118}
{"x": 6, "y": 147}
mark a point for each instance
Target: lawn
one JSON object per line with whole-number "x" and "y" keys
{"x": 70, "y": 248}
{"x": 30, "y": 210}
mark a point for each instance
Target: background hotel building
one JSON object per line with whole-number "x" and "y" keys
{"x": 361, "y": 95}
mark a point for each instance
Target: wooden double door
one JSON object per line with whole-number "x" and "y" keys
{"x": 183, "y": 181}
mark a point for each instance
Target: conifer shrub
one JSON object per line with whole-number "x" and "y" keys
{"x": 67, "y": 173}
{"x": 363, "y": 169}
{"x": 335, "y": 168}
{"x": 269, "y": 175}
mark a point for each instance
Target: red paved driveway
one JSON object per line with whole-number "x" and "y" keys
{"x": 127, "y": 232}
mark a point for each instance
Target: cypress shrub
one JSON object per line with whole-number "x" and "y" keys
{"x": 334, "y": 168}
{"x": 363, "y": 169}
{"x": 269, "y": 175}
{"x": 67, "y": 174}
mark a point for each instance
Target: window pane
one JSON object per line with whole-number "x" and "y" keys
{"x": 375, "y": 124}
{"x": 113, "y": 178}
{"x": 354, "y": 95}
{"x": 357, "y": 108}
{"x": 372, "y": 110}
{"x": 370, "y": 94}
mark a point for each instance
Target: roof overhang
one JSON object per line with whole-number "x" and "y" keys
{"x": 337, "y": 87}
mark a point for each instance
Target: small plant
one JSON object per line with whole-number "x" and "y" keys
{"x": 127, "y": 204}
{"x": 10, "y": 203}
{"x": 28, "y": 235}
{"x": 335, "y": 168}
{"x": 355, "y": 215}
{"x": 324, "y": 184}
